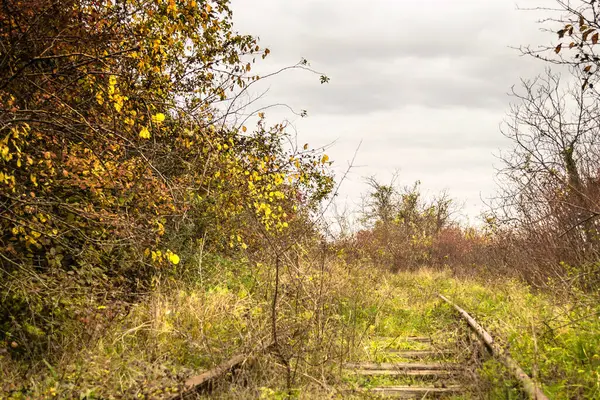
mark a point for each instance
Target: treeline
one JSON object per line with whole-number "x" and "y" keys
{"x": 403, "y": 230}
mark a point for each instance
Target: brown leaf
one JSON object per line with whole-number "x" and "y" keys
{"x": 587, "y": 69}
{"x": 595, "y": 38}
{"x": 586, "y": 34}
{"x": 572, "y": 44}
{"x": 557, "y": 49}
{"x": 561, "y": 33}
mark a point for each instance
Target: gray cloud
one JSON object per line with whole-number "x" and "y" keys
{"x": 423, "y": 83}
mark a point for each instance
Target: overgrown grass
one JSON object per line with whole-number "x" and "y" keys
{"x": 327, "y": 315}
{"x": 190, "y": 324}
{"x": 555, "y": 337}
{"x": 179, "y": 329}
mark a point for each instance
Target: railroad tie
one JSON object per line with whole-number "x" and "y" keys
{"x": 434, "y": 379}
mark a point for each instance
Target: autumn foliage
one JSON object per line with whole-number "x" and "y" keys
{"x": 117, "y": 154}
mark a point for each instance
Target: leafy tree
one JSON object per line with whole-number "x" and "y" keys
{"x": 403, "y": 225}
{"x": 380, "y": 204}
{"x": 115, "y": 158}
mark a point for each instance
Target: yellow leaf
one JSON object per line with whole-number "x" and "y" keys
{"x": 158, "y": 118}
{"x": 244, "y": 129}
{"x": 174, "y": 258}
{"x": 145, "y": 133}
{"x": 325, "y": 158}
{"x": 306, "y": 146}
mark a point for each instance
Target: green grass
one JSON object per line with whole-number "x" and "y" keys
{"x": 185, "y": 328}
{"x": 555, "y": 338}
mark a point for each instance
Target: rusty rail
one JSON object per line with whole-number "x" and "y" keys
{"x": 530, "y": 387}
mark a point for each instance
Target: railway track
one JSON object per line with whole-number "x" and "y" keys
{"x": 427, "y": 373}
{"x": 416, "y": 374}
{"x": 416, "y": 367}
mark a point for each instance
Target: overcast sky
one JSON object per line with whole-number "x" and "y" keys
{"x": 421, "y": 83}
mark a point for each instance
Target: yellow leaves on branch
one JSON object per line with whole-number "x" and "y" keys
{"x": 172, "y": 8}
{"x": 118, "y": 101}
{"x": 145, "y": 133}
{"x": 112, "y": 81}
{"x": 158, "y": 118}
{"x": 7, "y": 179}
{"x": 158, "y": 256}
{"x": 113, "y": 95}
{"x": 172, "y": 257}
{"x": 5, "y": 153}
